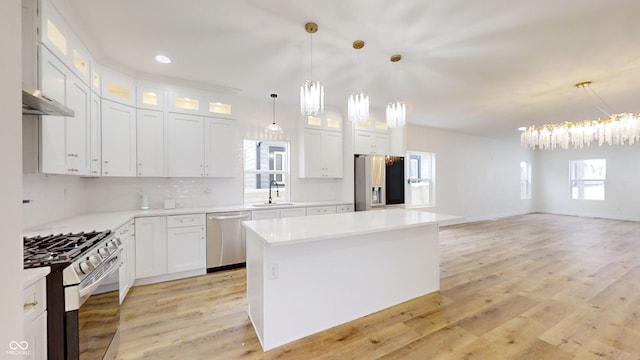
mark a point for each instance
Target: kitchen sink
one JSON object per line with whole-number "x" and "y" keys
{"x": 273, "y": 204}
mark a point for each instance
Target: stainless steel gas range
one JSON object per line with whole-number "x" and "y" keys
{"x": 81, "y": 324}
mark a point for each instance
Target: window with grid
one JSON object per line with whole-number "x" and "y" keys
{"x": 588, "y": 179}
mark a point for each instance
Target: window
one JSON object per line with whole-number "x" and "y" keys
{"x": 588, "y": 178}
{"x": 421, "y": 179}
{"x": 525, "y": 180}
{"x": 264, "y": 162}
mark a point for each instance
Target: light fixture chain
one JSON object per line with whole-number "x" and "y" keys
{"x": 311, "y": 56}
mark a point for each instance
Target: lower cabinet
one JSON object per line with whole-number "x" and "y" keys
{"x": 126, "y": 273}
{"x": 151, "y": 246}
{"x": 169, "y": 247}
{"x": 35, "y": 320}
{"x": 186, "y": 243}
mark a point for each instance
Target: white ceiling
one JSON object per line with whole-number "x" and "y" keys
{"x": 479, "y": 67}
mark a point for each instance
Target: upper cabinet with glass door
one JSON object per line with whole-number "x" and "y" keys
{"x": 196, "y": 102}
{"x": 326, "y": 121}
{"x": 150, "y": 97}
{"x": 371, "y": 125}
{"x": 118, "y": 87}
{"x": 58, "y": 37}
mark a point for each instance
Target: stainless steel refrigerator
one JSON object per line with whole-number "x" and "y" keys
{"x": 378, "y": 181}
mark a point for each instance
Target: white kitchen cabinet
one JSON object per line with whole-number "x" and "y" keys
{"x": 186, "y": 145}
{"x": 340, "y": 209}
{"x": 321, "y": 210}
{"x": 35, "y": 317}
{"x": 200, "y": 146}
{"x": 126, "y": 273}
{"x": 370, "y": 142}
{"x": 265, "y": 214}
{"x": 195, "y": 102}
{"x": 118, "y": 139}
{"x": 150, "y": 97}
{"x": 150, "y": 142}
{"x": 58, "y": 37}
{"x": 186, "y": 243}
{"x": 325, "y": 122}
{"x": 95, "y": 150}
{"x": 219, "y": 148}
{"x": 292, "y": 212}
{"x": 64, "y": 140}
{"x": 118, "y": 87}
{"x": 150, "y": 246}
{"x": 323, "y": 157}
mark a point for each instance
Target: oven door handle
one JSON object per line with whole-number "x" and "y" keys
{"x": 85, "y": 291}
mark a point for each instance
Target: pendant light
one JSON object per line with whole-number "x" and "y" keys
{"x": 358, "y": 102}
{"x": 273, "y": 128}
{"x": 311, "y": 92}
{"x": 396, "y": 111}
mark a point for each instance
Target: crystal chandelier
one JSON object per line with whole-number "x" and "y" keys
{"x": 358, "y": 103}
{"x": 311, "y": 92}
{"x": 273, "y": 128}
{"x": 616, "y": 129}
{"x": 396, "y": 111}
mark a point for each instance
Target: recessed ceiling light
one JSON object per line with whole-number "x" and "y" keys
{"x": 163, "y": 59}
{"x": 522, "y": 128}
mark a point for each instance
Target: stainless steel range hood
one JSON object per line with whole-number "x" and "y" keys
{"x": 34, "y": 102}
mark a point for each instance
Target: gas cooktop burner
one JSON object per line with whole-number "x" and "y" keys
{"x": 59, "y": 248}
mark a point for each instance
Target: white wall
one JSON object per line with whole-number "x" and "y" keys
{"x": 478, "y": 178}
{"x": 11, "y": 164}
{"x": 622, "y": 200}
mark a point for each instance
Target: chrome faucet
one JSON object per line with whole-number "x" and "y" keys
{"x": 273, "y": 182}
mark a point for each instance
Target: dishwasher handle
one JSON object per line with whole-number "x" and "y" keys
{"x": 229, "y": 217}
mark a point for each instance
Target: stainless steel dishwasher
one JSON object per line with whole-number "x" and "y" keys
{"x": 225, "y": 240}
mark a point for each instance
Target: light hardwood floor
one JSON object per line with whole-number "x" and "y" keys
{"x": 535, "y": 286}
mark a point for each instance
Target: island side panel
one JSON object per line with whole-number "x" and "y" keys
{"x": 325, "y": 283}
{"x": 255, "y": 281}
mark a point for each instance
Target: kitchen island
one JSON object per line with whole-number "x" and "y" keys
{"x": 308, "y": 274}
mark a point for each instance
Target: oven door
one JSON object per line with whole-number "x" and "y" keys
{"x": 98, "y": 315}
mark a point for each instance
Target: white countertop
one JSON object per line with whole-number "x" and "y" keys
{"x": 30, "y": 276}
{"x": 112, "y": 220}
{"x": 286, "y": 231}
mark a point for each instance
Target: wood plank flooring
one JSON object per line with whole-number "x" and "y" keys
{"x": 536, "y": 286}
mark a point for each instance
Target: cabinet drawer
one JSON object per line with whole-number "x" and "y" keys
{"x": 265, "y": 214}
{"x": 35, "y": 299}
{"x": 321, "y": 210}
{"x": 185, "y": 220}
{"x": 344, "y": 209}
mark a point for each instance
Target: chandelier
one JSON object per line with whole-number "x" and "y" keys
{"x": 311, "y": 92}
{"x": 396, "y": 111}
{"x": 273, "y": 129}
{"x": 358, "y": 103}
{"x": 616, "y": 129}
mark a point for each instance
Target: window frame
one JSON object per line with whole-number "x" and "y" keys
{"x": 526, "y": 182}
{"x": 580, "y": 183}
{"x": 282, "y": 176}
{"x": 412, "y": 157}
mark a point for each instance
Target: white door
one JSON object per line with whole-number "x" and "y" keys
{"x": 332, "y": 154}
{"x": 118, "y": 139}
{"x": 186, "y": 145}
{"x": 94, "y": 135}
{"x": 150, "y": 142}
